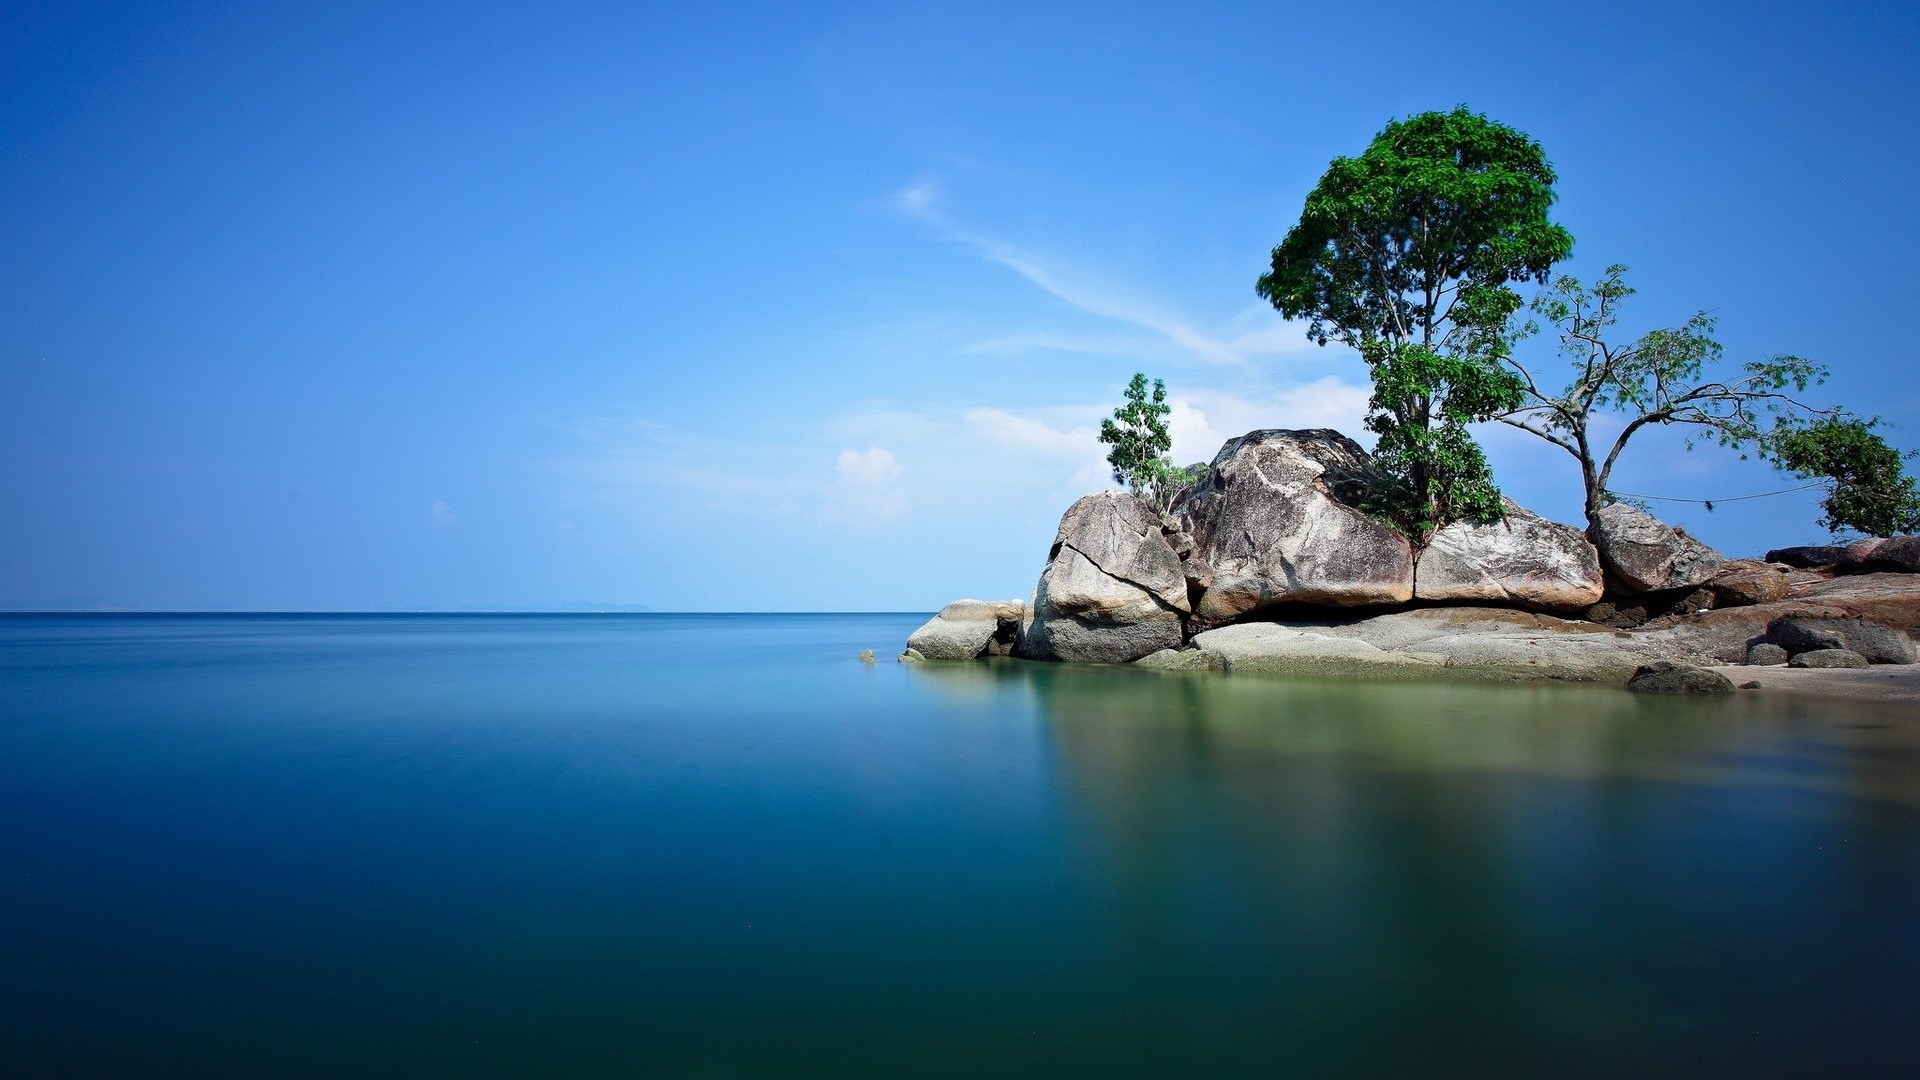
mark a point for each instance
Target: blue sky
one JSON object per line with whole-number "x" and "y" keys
{"x": 766, "y": 307}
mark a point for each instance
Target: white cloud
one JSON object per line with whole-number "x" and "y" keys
{"x": 872, "y": 467}
{"x": 1203, "y": 419}
{"x": 441, "y": 516}
{"x": 1078, "y": 289}
{"x": 866, "y": 483}
{"x": 1027, "y": 433}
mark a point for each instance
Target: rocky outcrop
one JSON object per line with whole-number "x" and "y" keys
{"x": 1522, "y": 560}
{"x": 970, "y": 629}
{"x": 1496, "y": 644}
{"x": 1278, "y": 522}
{"x": 1269, "y": 564}
{"x": 1646, "y": 555}
{"x": 1113, "y": 590}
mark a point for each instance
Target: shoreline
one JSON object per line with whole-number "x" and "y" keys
{"x": 1888, "y": 684}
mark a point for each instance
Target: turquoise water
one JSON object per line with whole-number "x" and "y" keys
{"x": 713, "y": 846}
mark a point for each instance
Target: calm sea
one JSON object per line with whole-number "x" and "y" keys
{"x": 719, "y": 846}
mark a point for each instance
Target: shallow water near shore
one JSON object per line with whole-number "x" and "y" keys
{"x": 712, "y": 846}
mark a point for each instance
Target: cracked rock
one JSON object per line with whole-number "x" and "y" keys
{"x": 1113, "y": 590}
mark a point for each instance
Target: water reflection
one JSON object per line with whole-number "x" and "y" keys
{"x": 1539, "y": 879}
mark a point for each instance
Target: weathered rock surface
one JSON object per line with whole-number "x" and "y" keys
{"x": 1809, "y": 557}
{"x": 969, "y": 629}
{"x": 1113, "y": 590}
{"x": 1828, "y": 658}
{"x": 1766, "y": 654}
{"x": 1278, "y": 522}
{"x": 1182, "y": 660}
{"x": 1746, "y": 581}
{"x": 1900, "y": 555}
{"x": 1892, "y": 600}
{"x": 1522, "y": 560}
{"x": 1647, "y": 555}
{"x": 1878, "y": 643}
{"x": 1665, "y": 677}
{"x": 1466, "y": 642}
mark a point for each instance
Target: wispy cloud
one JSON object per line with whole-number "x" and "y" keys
{"x": 922, "y": 201}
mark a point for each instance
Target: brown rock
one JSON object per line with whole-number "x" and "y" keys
{"x": 1746, "y": 581}
{"x": 1647, "y": 555}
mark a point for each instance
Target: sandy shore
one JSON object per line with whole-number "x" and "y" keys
{"x": 1890, "y": 683}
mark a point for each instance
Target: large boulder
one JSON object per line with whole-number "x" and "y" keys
{"x": 1749, "y": 581}
{"x": 969, "y": 629}
{"x": 1522, "y": 560}
{"x": 1647, "y": 555}
{"x": 1877, "y": 642}
{"x": 1278, "y": 522}
{"x": 1900, "y": 555}
{"x": 1113, "y": 590}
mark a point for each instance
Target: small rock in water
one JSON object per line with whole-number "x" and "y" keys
{"x": 911, "y": 656}
{"x": 1666, "y": 677}
{"x": 1828, "y": 658}
{"x": 866, "y": 656}
{"x": 1750, "y": 684}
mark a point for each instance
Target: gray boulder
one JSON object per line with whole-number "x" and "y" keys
{"x": 1765, "y": 654}
{"x": 1278, "y": 522}
{"x": 1522, "y": 560}
{"x": 969, "y": 629}
{"x": 1113, "y": 590}
{"x": 1798, "y": 635}
{"x": 1666, "y": 677}
{"x": 1828, "y": 658}
{"x": 1647, "y": 555}
{"x": 1879, "y": 643}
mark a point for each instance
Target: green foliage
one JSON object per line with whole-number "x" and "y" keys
{"x": 1409, "y": 253}
{"x": 1870, "y": 491}
{"x": 1138, "y": 434}
{"x": 1435, "y": 471}
{"x": 1660, "y": 378}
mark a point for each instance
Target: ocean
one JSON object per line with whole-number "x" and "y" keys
{"x": 721, "y": 846}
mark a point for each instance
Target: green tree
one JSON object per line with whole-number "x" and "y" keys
{"x": 1409, "y": 253}
{"x": 1138, "y": 434}
{"x": 1868, "y": 489}
{"x": 1659, "y": 379}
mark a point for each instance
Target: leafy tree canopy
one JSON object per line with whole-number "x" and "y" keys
{"x": 1138, "y": 434}
{"x": 1409, "y": 254}
{"x": 1869, "y": 491}
{"x": 1662, "y": 378}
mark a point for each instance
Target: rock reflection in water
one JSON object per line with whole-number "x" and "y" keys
{"x": 1536, "y": 877}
